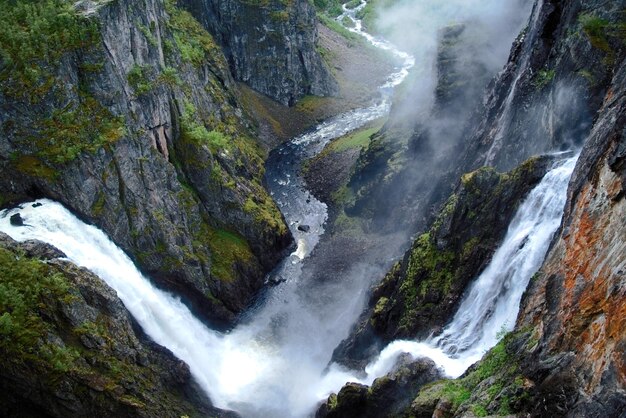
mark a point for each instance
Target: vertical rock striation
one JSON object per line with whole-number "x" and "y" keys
{"x": 128, "y": 114}
{"x": 270, "y": 45}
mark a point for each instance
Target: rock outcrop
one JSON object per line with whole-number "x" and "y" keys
{"x": 564, "y": 85}
{"x": 421, "y": 292}
{"x": 388, "y": 396}
{"x": 270, "y": 45}
{"x": 128, "y": 114}
{"x": 70, "y": 348}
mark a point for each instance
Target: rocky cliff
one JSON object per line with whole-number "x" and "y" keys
{"x": 270, "y": 45}
{"x": 70, "y": 348}
{"x": 421, "y": 292}
{"x": 126, "y": 112}
{"x": 563, "y": 86}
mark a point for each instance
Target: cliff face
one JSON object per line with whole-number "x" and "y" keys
{"x": 127, "y": 113}
{"x": 575, "y": 305}
{"x": 566, "y": 85}
{"x": 566, "y": 355}
{"x": 421, "y": 292}
{"x": 70, "y": 348}
{"x": 269, "y": 44}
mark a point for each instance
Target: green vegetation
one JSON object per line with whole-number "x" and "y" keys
{"x": 70, "y": 131}
{"x": 428, "y": 268}
{"x": 37, "y": 339}
{"x": 193, "y": 42}
{"x": 34, "y": 36}
{"x": 602, "y": 32}
{"x": 26, "y": 284}
{"x": 331, "y": 8}
{"x": 543, "y": 78}
{"x": 358, "y": 139}
{"x": 139, "y": 79}
{"x": 227, "y": 249}
{"x": 196, "y": 132}
{"x": 337, "y": 27}
{"x": 499, "y": 364}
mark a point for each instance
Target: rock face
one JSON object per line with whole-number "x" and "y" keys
{"x": 565, "y": 84}
{"x": 575, "y": 306}
{"x": 421, "y": 292}
{"x": 270, "y": 45}
{"x": 70, "y": 348}
{"x": 387, "y": 397}
{"x": 128, "y": 115}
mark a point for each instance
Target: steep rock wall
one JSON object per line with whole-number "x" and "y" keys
{"x": 129, "y": 116}
{"x": 270, "y": 45}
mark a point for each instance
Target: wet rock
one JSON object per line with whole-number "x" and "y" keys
{"x": 103, "y": 364}
{"x": 460, "y": 243}
{"x": 16, "y": 219}
{"x": 41, "y": 250}
{"x": 388, "y": 396}
{"x": 37, "y": 204}
{"x": 304, "y": 228}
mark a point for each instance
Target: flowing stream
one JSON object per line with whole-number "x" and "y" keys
{"x": 274, "y": 362}
{"x": 491, "y": 305}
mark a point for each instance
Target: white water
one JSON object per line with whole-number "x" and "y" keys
{"x": 273, "y": 364}
{"x": 492, "y": 303}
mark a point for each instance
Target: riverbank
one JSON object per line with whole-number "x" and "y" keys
{"x": 355, "y": 64}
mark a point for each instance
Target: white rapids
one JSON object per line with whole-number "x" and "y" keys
{"x": 492, "y": 303}
{"x": 274, "y": 363}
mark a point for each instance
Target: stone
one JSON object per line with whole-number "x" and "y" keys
{"x": 16, "y": 219}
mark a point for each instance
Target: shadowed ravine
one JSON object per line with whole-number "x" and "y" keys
{"x": 273, "y": 363}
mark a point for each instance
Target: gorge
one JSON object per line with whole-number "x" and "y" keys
{"x": 456, "y": 213}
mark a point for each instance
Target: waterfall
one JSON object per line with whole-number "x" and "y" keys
{"x": 272, "y": 364}
{"x": 492, "y": 303}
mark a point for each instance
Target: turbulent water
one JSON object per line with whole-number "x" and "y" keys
{"x": 274, "y": 362}
{"x": 491, "y": 305}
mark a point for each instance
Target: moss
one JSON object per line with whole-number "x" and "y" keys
{"x": 33, "y": 166}
{"x": 34, "y": 36}
{"x": 139, "y": 79}
{"x": 265, "y": 211}
{"x": 499, "y": 364}
{"x": 601, "y": 32}
{"x": 193, "y": 42}
{"x": 227, "y": 249}
{"x": 336, "y": 27}
{"x": 280, "y": 16}
{"x": 152, "y": 40}
{"x": 98, "y": 206}
{"x": 543, "y": 78}
{"x": 25, "y": 285}
{"x": 428, "y": 269}
{"x": 359, "y": 139}
{"x": 332, "y": 401}
{"x": 331, "y": 8}
{"x": 380, "y": 305}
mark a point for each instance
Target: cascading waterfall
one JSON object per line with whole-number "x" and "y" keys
{"x": 492, "y": 303}
{"x": 251, "y": 369}
{"x": 273, "y": 364}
